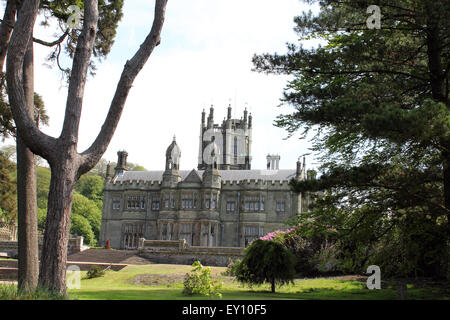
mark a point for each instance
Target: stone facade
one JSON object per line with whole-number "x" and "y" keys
{"x": 224, "y": 204}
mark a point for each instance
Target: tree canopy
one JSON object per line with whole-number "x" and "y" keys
{"x": 266, "y": 261}
{"x": 377, "y": 99}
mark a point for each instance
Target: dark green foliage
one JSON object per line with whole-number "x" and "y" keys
{"x": 232, "y": 268}
{"x": 80, "y": 226}
{"x": 91, "y": 186}
{"x": 8, "y": 190}
{"x": 88, "y": 209}
{"x": 305, "y": 251}
{"x": 6, "y": 123}
{"x": 95, "y": 272}
{"x": 378, "y": 99}
{"x": 266, "y": 261}
{"x": 110, "y": 14}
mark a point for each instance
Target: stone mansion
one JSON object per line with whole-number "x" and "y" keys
{"x": 222, "y": 203}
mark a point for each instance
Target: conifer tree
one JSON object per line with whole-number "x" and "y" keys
{"x": 378, "y": 97}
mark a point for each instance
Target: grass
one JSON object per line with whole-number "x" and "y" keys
{"x": 165, "y": 282}
{"x": 9, "y": 292}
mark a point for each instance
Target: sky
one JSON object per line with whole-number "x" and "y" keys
{"x": 204, "y": 58}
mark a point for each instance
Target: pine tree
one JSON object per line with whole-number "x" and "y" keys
{"x": 378, "y": 98}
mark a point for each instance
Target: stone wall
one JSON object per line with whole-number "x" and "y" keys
{"x": 10, "y": 248}
{"x": 8, "y": 232}
{"x": 180, "y": 252}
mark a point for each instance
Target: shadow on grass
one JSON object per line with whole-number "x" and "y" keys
{"x": 175, "y": 294}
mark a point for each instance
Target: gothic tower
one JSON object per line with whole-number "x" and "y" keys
{"x": 121, "y": 163}
{"x": 233, "y": 139}
{"x": 171, "y": 175}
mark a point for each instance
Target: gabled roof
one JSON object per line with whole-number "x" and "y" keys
{"x": 193, "y": 176}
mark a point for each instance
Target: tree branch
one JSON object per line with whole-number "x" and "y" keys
{"x": 132, "y": 67}
{"x": 78, "y": 74}
{"x": 54, "y": 43}
{"x": 37, "y": 141}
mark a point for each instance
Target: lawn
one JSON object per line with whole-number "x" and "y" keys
{"x": 163, "y": 281}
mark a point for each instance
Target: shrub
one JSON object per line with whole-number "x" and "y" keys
{"x": 231, "y": 268}
{"x": 266, "y": 261}
{"x": 199, "y": 282}
{"x": 315, "y": 254}
{"x": 95, "y": 272}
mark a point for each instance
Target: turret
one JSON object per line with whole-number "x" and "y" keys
{"x": 298, "y": 171}
{"x": 211, "y": 117}
{"x": 211, "y": 176}
{"x": 273, "y": 162}
{"x": 121, "y": 163}
{"x": 245, "y": 115}
{"x": 203, "y": 118}
{"x": 171, "y": 175}
{"x": 108, "y": 172}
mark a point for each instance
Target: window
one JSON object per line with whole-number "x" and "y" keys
{"x": 186, "y": 232}
{"x": 135, "y": 202}
{"x": 231, "y": 205}
{"x": 155, "y": 203}
{"x": 131, "y": 233}
{"x": 214, "y": 201}
{"x": 164, "y": 231}
{"x": 207, "y": 201}
{"x": 195, "y": 200}
{"x": 116, "y": 203}
{"x": 251, "y": 233}
{"x": 166, "y": 201}
{"x": 187, "y": 201}
{"x": 254, "y": 203}
{"x": 280, "y": 205}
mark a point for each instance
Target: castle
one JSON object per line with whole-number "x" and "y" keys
{"x": 222, "y": 203}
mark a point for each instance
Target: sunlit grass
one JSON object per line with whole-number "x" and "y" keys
{"x": 121, "y": 285}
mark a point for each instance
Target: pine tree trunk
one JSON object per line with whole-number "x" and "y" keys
{"x": 446, "y": 176}
{"x": 54, "y": 254}
{"x": 401, "y": 289}
{"x": 66, "y": 164}
{"x": 28, "y": 251}
{"x": 273, "y": 285}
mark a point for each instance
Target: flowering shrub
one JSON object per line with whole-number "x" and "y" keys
{"x": 277, "y": 233}
{"x": 310, "y": 246}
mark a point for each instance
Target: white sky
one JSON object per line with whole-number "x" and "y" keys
{"x": 204, "y": 57}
